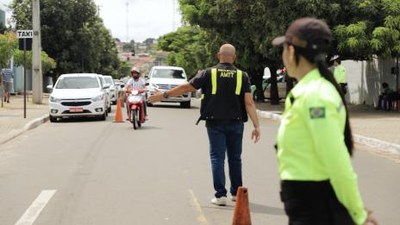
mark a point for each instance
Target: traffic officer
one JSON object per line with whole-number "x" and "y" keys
{"x": 339, "y": 72}
{"x": 225, "y": 105}
{"x": 314, "y": 141}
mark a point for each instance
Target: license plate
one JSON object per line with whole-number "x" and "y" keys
{"x": 75, "y": 110}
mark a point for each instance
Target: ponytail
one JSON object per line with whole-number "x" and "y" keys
{"x": 319, "y": 59}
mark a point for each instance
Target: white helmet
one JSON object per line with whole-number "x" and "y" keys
{"x": 135, "y": 69}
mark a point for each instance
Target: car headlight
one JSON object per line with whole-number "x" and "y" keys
{"x": 98, "y": 98}
{"x": 54, "y": 99}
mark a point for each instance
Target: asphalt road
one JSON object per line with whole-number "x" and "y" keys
{"x": 85, "y": 172}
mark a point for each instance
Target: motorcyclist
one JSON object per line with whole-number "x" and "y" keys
{"x": 136, "y": 82}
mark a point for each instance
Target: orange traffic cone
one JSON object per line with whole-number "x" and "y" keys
{"x": 241, "y": 215}
{"x": 118, "y": 113}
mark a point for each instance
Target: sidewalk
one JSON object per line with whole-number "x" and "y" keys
{"x": 375, "y": 128}
{"x": 12, "y": 121}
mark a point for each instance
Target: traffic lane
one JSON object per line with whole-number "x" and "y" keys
{"x": 101, "y": 177}
{"x": 68, "y": 157}
{"x": 161, "y": 197}
{"x": 43, "y": 159}
{"x": 177, "y": 188}
{"x": 259, "y": 177}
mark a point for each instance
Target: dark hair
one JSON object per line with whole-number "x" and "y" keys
{"x": 319, "y": 58}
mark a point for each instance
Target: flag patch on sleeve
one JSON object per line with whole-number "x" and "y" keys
{"x": 317, "y": 112}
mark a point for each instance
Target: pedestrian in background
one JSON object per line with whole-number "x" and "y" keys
{"x": 314, "y": 141}
{"x": 225, "y": 106}
{"x": 7, "y": 83}
{"x": 339, "y": 73}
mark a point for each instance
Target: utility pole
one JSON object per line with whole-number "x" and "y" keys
{"x": 127, "y": 22}
{"x": 37, "y": 78}
{"x": 173, "y": 15}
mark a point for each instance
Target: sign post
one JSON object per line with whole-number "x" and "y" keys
{"x": 23, "y": 36}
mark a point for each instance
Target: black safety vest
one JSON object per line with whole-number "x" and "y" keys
{"x": 224, "y": 99}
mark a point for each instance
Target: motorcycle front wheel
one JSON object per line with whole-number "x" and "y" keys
{"x": 135, "y": 118}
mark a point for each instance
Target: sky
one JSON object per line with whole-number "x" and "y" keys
{"x": 147, "y": 18}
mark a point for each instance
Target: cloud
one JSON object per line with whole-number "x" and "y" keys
{"x": 147, "y": 18}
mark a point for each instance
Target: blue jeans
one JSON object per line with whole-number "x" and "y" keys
{"x": 226, "y": 137}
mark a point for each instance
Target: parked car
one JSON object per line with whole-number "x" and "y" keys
{"x": 106, "y": 87}
{"x": 78, "y": 95}
{"x": 113, "y": 89}
{"x": 163, "y": 78}
{"x": 266, "y": 85}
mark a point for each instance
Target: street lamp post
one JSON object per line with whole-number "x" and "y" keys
{"x": 37, "y": 78}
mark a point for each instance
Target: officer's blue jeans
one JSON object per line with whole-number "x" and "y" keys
{"x": 226, "y": 137}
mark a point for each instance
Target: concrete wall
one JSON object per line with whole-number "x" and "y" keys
{"x": 365, "y": 78}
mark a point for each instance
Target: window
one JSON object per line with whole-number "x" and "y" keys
{"x": 77, "y": 83}
{"x": 168, "y": 73}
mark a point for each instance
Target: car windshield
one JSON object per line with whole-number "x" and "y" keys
{"x": 109, "y": 81}
{"x": 77, "y": 83}
{"x": 168, "y": 73}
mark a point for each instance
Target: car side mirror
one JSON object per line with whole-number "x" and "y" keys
{"x": 106, "y": 86}
{"x": 122, "y": 85}
{"x": 49, "y": 88}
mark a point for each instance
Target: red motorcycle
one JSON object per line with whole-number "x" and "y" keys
{"x": 136, "y": 107}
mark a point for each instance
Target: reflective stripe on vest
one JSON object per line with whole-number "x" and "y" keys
{"x": 214, "y": 81}
{"x": 239, "y": 78}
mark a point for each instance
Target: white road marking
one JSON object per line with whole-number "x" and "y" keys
{"x": 32, "y": 213}
{"x": 201, "y": 218}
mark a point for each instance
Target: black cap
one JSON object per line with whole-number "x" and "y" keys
{"x": 308, "y": 33}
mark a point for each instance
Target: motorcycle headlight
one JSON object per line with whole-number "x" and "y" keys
{"x": 98, "y": 98}
{"x": 54, "y": 99}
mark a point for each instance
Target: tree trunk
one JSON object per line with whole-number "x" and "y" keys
{"x": 274, "y": 88}
{"x": 289, "y": 84}
{"x": 1, "y": 87}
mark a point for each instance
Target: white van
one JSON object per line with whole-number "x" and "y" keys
{"x": 164, "y": 78}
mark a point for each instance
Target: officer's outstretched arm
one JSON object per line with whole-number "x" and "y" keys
{"x": 176, "y": 91}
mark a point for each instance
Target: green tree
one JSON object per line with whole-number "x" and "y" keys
{"x": 361, "y": 28}
{"x": 72, "y": 34}
{"x": 186, "y": 49}
{"x": 8, "y": 45}
{"x": 129, "y": 47}
{"x": 47, "y": 62}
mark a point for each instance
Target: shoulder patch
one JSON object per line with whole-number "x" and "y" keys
{"x": 317, "y": 112}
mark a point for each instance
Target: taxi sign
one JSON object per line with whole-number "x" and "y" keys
{"x": 24, "y": 34}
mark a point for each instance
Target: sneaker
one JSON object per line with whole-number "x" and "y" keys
{"x": 233, "y": 198}
{"x": 221, "y": 201}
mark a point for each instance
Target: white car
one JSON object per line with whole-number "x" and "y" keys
{"x": 113, "y": 89}
{"x": 78, "y": 95}
{"x": 164, "y": 78}
{"x": 106, "y": 87}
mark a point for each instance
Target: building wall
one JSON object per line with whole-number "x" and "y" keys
{"x": 365, "y": 78}
{"x": 3, "y": 17}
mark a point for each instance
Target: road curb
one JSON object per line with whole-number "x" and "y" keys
{"x": 371, "y": 142}
{"x": 30, "y": 125}
{"x": 36, "y": 122}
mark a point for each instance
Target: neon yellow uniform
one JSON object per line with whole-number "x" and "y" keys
{"x": 340, "y": 74}
{"x": 311, "y": 141}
